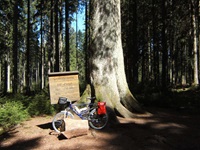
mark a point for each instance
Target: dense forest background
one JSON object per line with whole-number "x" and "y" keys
{"x": 160, "y": 43}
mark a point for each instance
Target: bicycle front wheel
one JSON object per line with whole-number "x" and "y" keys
{"x": 58, "y": 121}
{"x": 97, "y": 121}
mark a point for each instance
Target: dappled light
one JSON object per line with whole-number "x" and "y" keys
{"x": 163, "y": 126}
{"x": 140, "y": 59}
{"x": 161, "y": 129}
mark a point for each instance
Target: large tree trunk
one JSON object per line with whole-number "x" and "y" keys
{"x": 107, "y": 63}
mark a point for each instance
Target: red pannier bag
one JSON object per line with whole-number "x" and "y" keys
{"x": 101, "y": 108}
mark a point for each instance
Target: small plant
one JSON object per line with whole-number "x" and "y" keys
{"x": 40, "y": 104}
{"x": 12, "y": 113}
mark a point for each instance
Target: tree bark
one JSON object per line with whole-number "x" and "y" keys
{"x": 195, "y": 45}
{"x": 57, "y": 53}
{"x": 155, "y": 45}
{"x": 67, "y": 61}
{"x": 15, "y": 47}
{"x": 51, "y": 41}
{"x": 27, "y": 75}
{"x": 42, "y": 53}
{"x": 107, "y": 73}
{"x": 164, "y": 47}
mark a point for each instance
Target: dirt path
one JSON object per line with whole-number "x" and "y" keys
{"x": 163, "y": 130}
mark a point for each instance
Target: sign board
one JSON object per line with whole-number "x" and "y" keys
{"x": 64, "y": 84}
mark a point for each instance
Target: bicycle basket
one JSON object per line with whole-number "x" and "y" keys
{"x": 101, "y": 108}
{"x": 62, "y": 100}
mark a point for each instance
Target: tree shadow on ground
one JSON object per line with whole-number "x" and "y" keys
{"x": 23, "y": 144}
{"x": 163, "y": 130}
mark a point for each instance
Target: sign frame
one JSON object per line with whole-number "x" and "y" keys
{"x": 64, "y": 84}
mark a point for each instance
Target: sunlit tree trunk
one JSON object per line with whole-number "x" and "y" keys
{"x": 7, "y": 81}
{"x": 61, "y": 39}
{"x": 107, "y": 73}
{"x": 194, "y": 23}
{"x": 8, "y": 77}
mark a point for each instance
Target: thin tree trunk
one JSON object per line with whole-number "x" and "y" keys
{"x": 42, "y": 48}
{"x": 50, "y": 51}
{"x": 57, "y": 53}
{"x": 149, "y": 54}
{"x": 67, "y": 35}
{"x": 61, "y": 40}
{"x": 194, "y": 23}
{"x": 155, "y": 48}
{"x": 7, "y": 80}
{"x": 77, "y": 38}
{"x": 164, "y": 46}
{"x": 15, "y": 47}
{"x": 27, "y": 75}
{"x": 6, "y": 76}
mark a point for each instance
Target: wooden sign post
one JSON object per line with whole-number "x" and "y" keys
{"x": 64, "y": 84}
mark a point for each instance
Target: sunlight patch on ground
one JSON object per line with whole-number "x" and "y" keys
{"x": 168, "y": 125}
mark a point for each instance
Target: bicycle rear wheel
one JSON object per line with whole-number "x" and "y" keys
{"x": 58, "y": 121}
{"x": 97, "y": 121}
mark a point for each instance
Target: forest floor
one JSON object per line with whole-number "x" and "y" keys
{"x": 162, "y": 129}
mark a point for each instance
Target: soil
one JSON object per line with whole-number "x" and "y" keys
{"x": 162, "y": 129}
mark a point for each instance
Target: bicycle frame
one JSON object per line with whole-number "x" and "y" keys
{"x": 82, "y": 112}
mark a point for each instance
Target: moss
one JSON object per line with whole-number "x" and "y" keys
{"x": 86, "y": 93}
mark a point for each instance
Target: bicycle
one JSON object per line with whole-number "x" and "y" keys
{"x": 95, "y": 113}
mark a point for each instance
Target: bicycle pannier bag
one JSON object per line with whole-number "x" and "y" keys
{"x": 101, "y": 108}
{"x": 62, "y": 100}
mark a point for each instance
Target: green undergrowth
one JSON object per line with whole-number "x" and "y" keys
{"x": 188, "y": 101}
{"x": 12, "y": 113}
{"x": 15, "y": 109}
